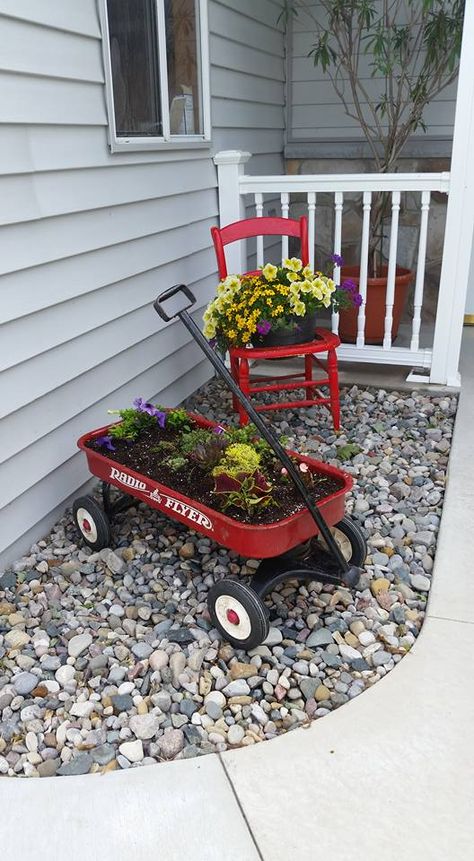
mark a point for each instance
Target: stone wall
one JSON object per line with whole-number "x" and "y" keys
{"x": 352, "y": 220}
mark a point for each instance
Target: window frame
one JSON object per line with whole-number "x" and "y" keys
{"x": 166, "y": 141}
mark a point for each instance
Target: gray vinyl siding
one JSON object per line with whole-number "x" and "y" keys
{"x": 317, "y": 115}
{"x": 88, "y": 238}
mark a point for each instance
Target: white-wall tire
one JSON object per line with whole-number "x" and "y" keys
{"x": 92, "y": 522}
{"x": 238, "y": 613}
{"x": 350, "y": 540}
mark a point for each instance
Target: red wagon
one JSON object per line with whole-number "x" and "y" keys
{"x": 316, "y": 543}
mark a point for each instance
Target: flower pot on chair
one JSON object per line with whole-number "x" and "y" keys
{"x": 375, "y": 305}
{"x": 299, "y": 331}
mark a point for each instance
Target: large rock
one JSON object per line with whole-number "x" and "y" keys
{"x": 132, "y": 750}
{"x": 144, "y": 726}
{"x": 171, "y": 743}
{"x": 78, "y": 645}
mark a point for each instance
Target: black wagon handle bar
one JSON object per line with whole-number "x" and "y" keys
{"x": 267, "y": 434}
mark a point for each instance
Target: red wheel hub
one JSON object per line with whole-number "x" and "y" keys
{"x": 86, "y": 525}
{"x": 233, "y": 617}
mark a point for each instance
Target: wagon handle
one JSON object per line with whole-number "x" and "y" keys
{"x": 168, "y": 294}
{"x": 351, "y": 571}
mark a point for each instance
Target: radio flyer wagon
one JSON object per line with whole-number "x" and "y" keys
{"x": 318, "y": 542}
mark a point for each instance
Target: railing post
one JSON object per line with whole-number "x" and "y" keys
{"x": 459, "y": 223}
{"x": 230, "y": 167}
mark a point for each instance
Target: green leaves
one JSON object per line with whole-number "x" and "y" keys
{"x": 348, "y": 451}
{"x": 323, "y": 53}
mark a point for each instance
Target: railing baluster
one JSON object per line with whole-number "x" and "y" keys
{"x": 285, "y": 206}
{"x": 392, "y": 264}
{"x": 311, "y": 225}
{"x": 364, "y": 263}
{"x": 259, "y": 212}
{"x": 338, "y": 205}
{"x": 420, "y": 270}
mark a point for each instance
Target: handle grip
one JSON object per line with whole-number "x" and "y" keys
{"x": 167, "y": 295}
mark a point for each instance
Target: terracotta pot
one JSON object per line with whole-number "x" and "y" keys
{"x": 375, "y": 306}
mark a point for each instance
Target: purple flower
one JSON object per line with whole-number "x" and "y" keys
{"x": 349, "y": 285}
{"x": 263, "y": 327}
{"x": 144, "y": 407}
{"x": 357, "y": 300}
{"x": 105, "y": 442}
{"x": 337, "y": 259}
{"x": 218, "y": 429}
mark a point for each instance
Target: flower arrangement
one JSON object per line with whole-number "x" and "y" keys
{"x": 230, "y": 469}
{"x": 251, "y": 305}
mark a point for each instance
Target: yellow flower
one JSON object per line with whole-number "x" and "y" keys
{"x": 209, "y": 331}
{"x": 327, "y": 301}
{"x": 306, "y": 287}
{"x": 307, "y": 273}
{"x": 219, "y": 304}
{"x": 295, "y": 288}
{"x": 232, "y": 282}
{"x": 331, "y": 285}
{"x": 293, "y": 263}
{"x": 293, "y": 276}
{"x": 269, "y": 272}
{"x": 232, "y": 333}
{"x": 299, "y": 308}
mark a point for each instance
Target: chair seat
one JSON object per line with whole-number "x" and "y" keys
{"x": 324, "y": 340}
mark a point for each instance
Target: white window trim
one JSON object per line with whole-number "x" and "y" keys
{"x": 166, "y": 141}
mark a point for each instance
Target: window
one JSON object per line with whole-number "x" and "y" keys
{"x": 156, "y": 58}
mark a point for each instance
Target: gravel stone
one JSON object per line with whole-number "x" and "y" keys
{"x": 79, "y": 644}
{"x": 144, "y": 726}
{"x": 132, "y": 750}
{"x": 25, "y": 683}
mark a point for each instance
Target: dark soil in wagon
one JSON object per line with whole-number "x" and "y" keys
{"x": 193, "y": 481}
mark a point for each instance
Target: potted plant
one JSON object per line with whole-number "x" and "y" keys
{"x": 275, "y": 307}
{"x": 224, "y": 482}
{"x": 414, "y": 48}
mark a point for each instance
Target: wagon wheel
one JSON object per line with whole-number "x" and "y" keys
{"x": 351, "y": 541}
{"x": 238, "y": 613}
{"x": 92, "y": 522}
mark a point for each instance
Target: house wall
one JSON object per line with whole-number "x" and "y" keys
{"x": 317, "y": 123}
{"x": 88, "y": 238}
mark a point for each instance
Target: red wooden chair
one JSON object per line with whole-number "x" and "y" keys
{"x": 324, "y": 340}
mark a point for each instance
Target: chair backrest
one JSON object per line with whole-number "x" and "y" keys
{"x": 258, "y": 227}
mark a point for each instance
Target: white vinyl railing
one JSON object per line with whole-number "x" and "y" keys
{"x": 240, "y": 195}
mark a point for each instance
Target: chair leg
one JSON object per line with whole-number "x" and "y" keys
{"x": 334, "y": 388}
{"x": 308, "y": 375}
{"x": 244, "y": 383}
{"x": 234, "y": 369}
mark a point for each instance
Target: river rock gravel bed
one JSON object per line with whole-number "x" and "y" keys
{"x": 108, "y": 660}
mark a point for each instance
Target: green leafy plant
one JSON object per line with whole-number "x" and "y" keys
{"x": 413, "y": 47}
{"x": 132, "y": 422}
{"x": 193, "y": 438}
{"x": 243, "y": 490}
{"x": 209, "y": 453}
{"x": 238, "y": 458}
{"x": 176, "y": 463}
{"x": 179, "y": 420}
{"x": 248, "y": 435}
{"x": 348, "y": 451}
{"x": 164, "y": 447}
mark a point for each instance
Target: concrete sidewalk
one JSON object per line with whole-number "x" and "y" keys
{"x": 390, "y": 775}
